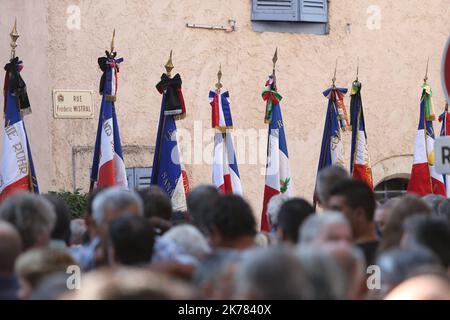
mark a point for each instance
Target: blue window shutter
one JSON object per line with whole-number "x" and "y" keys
{"x": 275, "y": 10}
{"x": 314, "y": 10}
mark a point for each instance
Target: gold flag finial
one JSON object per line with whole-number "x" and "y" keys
{"x": 219, "y": 77}
{"x": 426, "y": 72}
{"x": 14, "y": 36}
{"x": 169, "y": 65}
{"x": 113, "y": 41}
{"x": 334, "y": 75}
{"x": 275, "y": 59}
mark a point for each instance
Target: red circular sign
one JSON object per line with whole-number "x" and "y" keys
{"x": 446, "y": 71}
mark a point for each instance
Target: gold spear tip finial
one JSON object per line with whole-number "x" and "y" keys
{"x": 334, "y": 75}
{"x": 275, "y": 58}
{"x": 219, "y": 77}
{"x": 426, "y": 72}
{"x": 14, "y": 36}
{"x": 169, "y": 65}
{"x": 113, "y": 41}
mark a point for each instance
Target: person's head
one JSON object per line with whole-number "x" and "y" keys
{"x": 430, "y": 232}
{"x": 32, "y": 215}
{"x": 356, "y": 200}
{"x": 156, "y": 203}
{"x": 291, "y": 216}
{"x": 327, "y": 178}
{"x": 422, "y": 287}
{"x": 61, "y": 230}
{"x": 201, "y": 202}
{"x": 383, "y": 213}
{"x": 91, "y": 227}
{"x": 10, "y": 248}
{"x": 111, "y": 203}
{"x": 213, "y": 275}
{"x": 232, "y": 224}
{"x": 397, "y": 265}
{"x": 77, "y": 231}
{"x": 444, "y": 210}
{"x": 273, "y": 209}
{"x": 325, "y": 227}
{"x": 352, "y": 262}
{"x": 271, "y": 274}
{"x": 327, "y": 278}
{"x": 131, "y": 284}
{"x": 36, "y": 264}
{"x": 434, "y": 201}
{"x": 131, "y": 240}
{"x": 408, "y": 206}
{"x": 190, "y": 239}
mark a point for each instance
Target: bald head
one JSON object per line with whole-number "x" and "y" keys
{"x": 424, "y": 287}
{"x": 10, "y": 247}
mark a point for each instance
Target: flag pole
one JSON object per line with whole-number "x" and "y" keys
{"x": 357, "y": 69}
{"x": 333, "y": 80}
{"x": 219, "y": 78}
{"x": 274, "y": 61}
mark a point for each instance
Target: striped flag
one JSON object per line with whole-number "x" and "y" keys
{"x": 17, "y": 168}
{"x": 225, "y": 169}
{"x": 278, "y": 176}
{"x": 168, "y": 172}
{"x": 332, "y": 150}
{"x": 445, "y": 131}
{"x": 108, "y": 167}
{"x": 360, "y": 167}
{"x": 424, "y": 178}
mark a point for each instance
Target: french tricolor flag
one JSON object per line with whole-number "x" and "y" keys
{"x": 108, "y": 168}
{"x": 360, "y": 167}
{"x": 225, "y": 169}
{"x": 445, "y": 131}
{"x": 168, "y": 172}
{"x": 16, "y": 168}
{"x": 424, "y": 178}
{"x": 278, "y": 175}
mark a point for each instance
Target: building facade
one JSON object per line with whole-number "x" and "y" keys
{"x": 61, "y": 40}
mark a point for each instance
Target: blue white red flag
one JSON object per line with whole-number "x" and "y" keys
{"x": 225, "y": 168}
{"x": 108, "y": 167}
{"x": 278, "y": 175}
{"x": 424, "y": 178}
{"x": 360, "y": 167}
{"x": 16, "y": 168}
{"x": 168, "y": 172}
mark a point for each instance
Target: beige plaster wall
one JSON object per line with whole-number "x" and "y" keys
{"x": 392, "y": 65}
{"x": 33, "y": 49}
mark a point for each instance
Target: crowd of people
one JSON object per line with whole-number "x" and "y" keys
{"x": 133, "y": 245}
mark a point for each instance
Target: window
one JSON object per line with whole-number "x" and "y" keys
{"x": 290, "y": 10}
{"x": 391, "y": 188}
{"x": 310, "y": 16}
{"x": 139, "y": 178}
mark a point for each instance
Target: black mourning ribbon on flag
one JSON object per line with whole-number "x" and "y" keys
{"x": 103, "y": 64}
{"x": 170, "y": 87}
{"x": 17, "y": 86}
